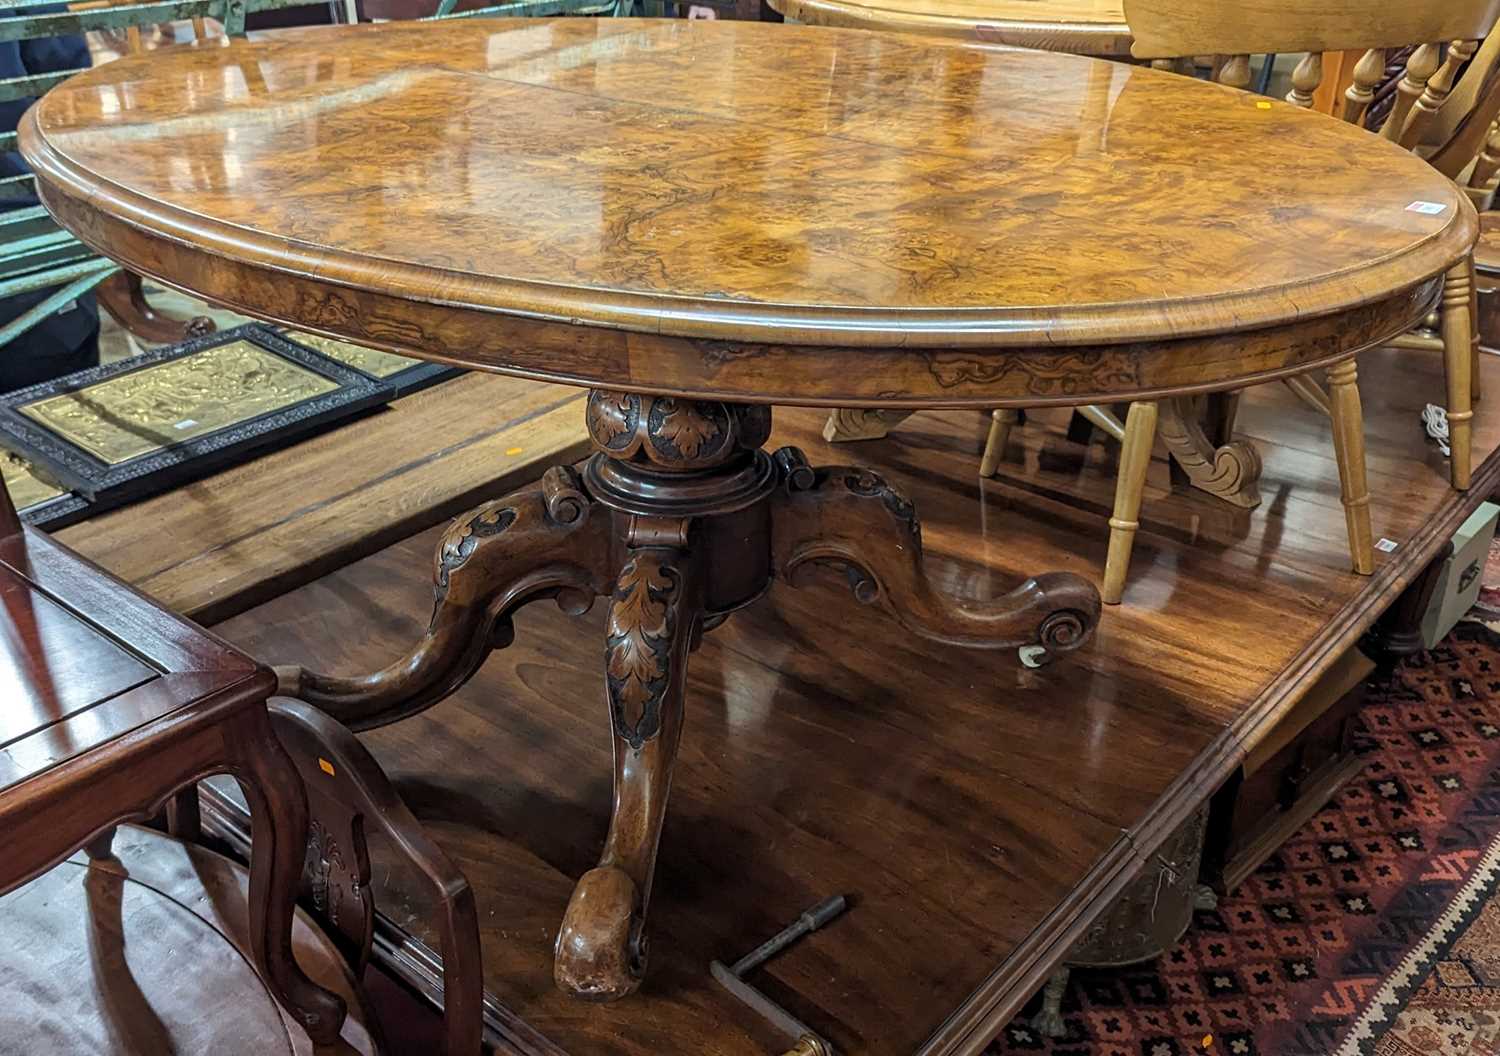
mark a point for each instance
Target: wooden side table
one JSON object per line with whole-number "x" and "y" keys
{"x": 111, "y": 705}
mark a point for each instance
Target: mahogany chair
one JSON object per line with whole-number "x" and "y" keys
{"x": 1445, "y": 107}
{"x": 350, "y": 797}
{"x": 109, "y": 705}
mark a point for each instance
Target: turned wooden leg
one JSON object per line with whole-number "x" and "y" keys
{"x": 1001, "y": 421}
{"x": 538, "y": 542}
{"x": 653, "y": 618}
{"x": 1309, "y": 392}
{"x": 184, "y": 815}
{"x": 101, "y": 846}
{"x": 1458, "y": 368}
{"x": 861, "y": 423}
{"x": 1135, "y": 460}
{"x": 278, "y": 819}
{"x": 1349, "y": 446}
{"x": 1474, "y": 372}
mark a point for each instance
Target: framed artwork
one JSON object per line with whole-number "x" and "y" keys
{"x": 146, "y": 424}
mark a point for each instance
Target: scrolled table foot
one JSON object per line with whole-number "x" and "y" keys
{"x": 535, "y": 543}
{"x": 601, "y": 947}
{"x": 852, "y": 518}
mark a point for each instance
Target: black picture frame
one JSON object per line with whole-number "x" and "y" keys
{"x": 58, "y": 512}
{"x": 418, "y": 376}
{"x": 101, "y": 484}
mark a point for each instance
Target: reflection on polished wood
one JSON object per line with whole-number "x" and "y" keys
{"x": 370, "y": 360}
{"x": 973, "y": 810}
{"x": 1084, "y": 27}
{"x": 148, "y": 950}
{"x": 600, "y": 202}
{"x": 252, "y": 531}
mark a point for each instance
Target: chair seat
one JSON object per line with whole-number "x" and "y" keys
{"x": 124, "y": 955}
{"x": 85, "y": 660}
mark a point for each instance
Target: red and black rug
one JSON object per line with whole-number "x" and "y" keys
{"x": 1376, "y": 929}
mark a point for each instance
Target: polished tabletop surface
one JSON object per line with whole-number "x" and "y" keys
{"x": 1085, "y": 27}
{"x": 728, "y": 181}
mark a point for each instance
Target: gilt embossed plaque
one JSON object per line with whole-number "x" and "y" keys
{"x": 157, "y": 406}
{"x": 371, "y": 361}
{"x": 397, "y": 374}
{"x": 146, "y": 424}
{"x": 26, "y": 487}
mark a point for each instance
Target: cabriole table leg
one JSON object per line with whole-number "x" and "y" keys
{"x": 679, "y": 518}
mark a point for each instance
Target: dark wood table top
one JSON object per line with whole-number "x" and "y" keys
{"x": 755, "y": 212}
{"x": 1084, "y": 27}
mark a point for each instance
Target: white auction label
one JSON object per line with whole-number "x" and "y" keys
{"x": 1426, "y": 208}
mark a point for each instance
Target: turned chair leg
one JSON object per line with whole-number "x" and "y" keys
{"x": 102, "y": 846}
{"x": 1135, "y": 460}
{"x": 1349, "y": 447}
{"x": 994, "y": 447}
{"x": 1474, "y": 387}
{"x": 278, "y": 819}
{"x": 1459, "y": 363}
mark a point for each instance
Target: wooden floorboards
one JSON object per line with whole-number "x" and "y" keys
{"x": 977, "y": 813}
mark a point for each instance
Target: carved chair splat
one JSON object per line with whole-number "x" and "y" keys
{"x": 350, "y": 797}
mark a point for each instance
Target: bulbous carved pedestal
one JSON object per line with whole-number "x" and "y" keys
{"x": 678, "y": 519}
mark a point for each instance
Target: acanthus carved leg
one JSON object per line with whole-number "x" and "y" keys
{"x": 535, "y": 543}
{"x": 653, "y": 619}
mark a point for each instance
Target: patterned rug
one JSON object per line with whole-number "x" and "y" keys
{"x": 1375, "y": 931}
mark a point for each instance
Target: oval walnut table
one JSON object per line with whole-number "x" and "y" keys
{"x": 884, "y": 221}
{"x": 1083, "y": 27}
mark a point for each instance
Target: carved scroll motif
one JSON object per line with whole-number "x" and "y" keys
{"x": 1230, "y": 472}
{"x": 460, "y": 541}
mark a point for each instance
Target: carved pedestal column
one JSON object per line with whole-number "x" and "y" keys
{"x": 679, "y": 519}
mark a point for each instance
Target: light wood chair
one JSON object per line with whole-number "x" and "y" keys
{"x": 1445, "y": 110}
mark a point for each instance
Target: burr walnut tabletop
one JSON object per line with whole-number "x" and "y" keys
{"x": 881, "y": 221}
{"x": 698, "y": 219}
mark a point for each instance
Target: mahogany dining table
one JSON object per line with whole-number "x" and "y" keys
{"x": 884, "y": 221}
